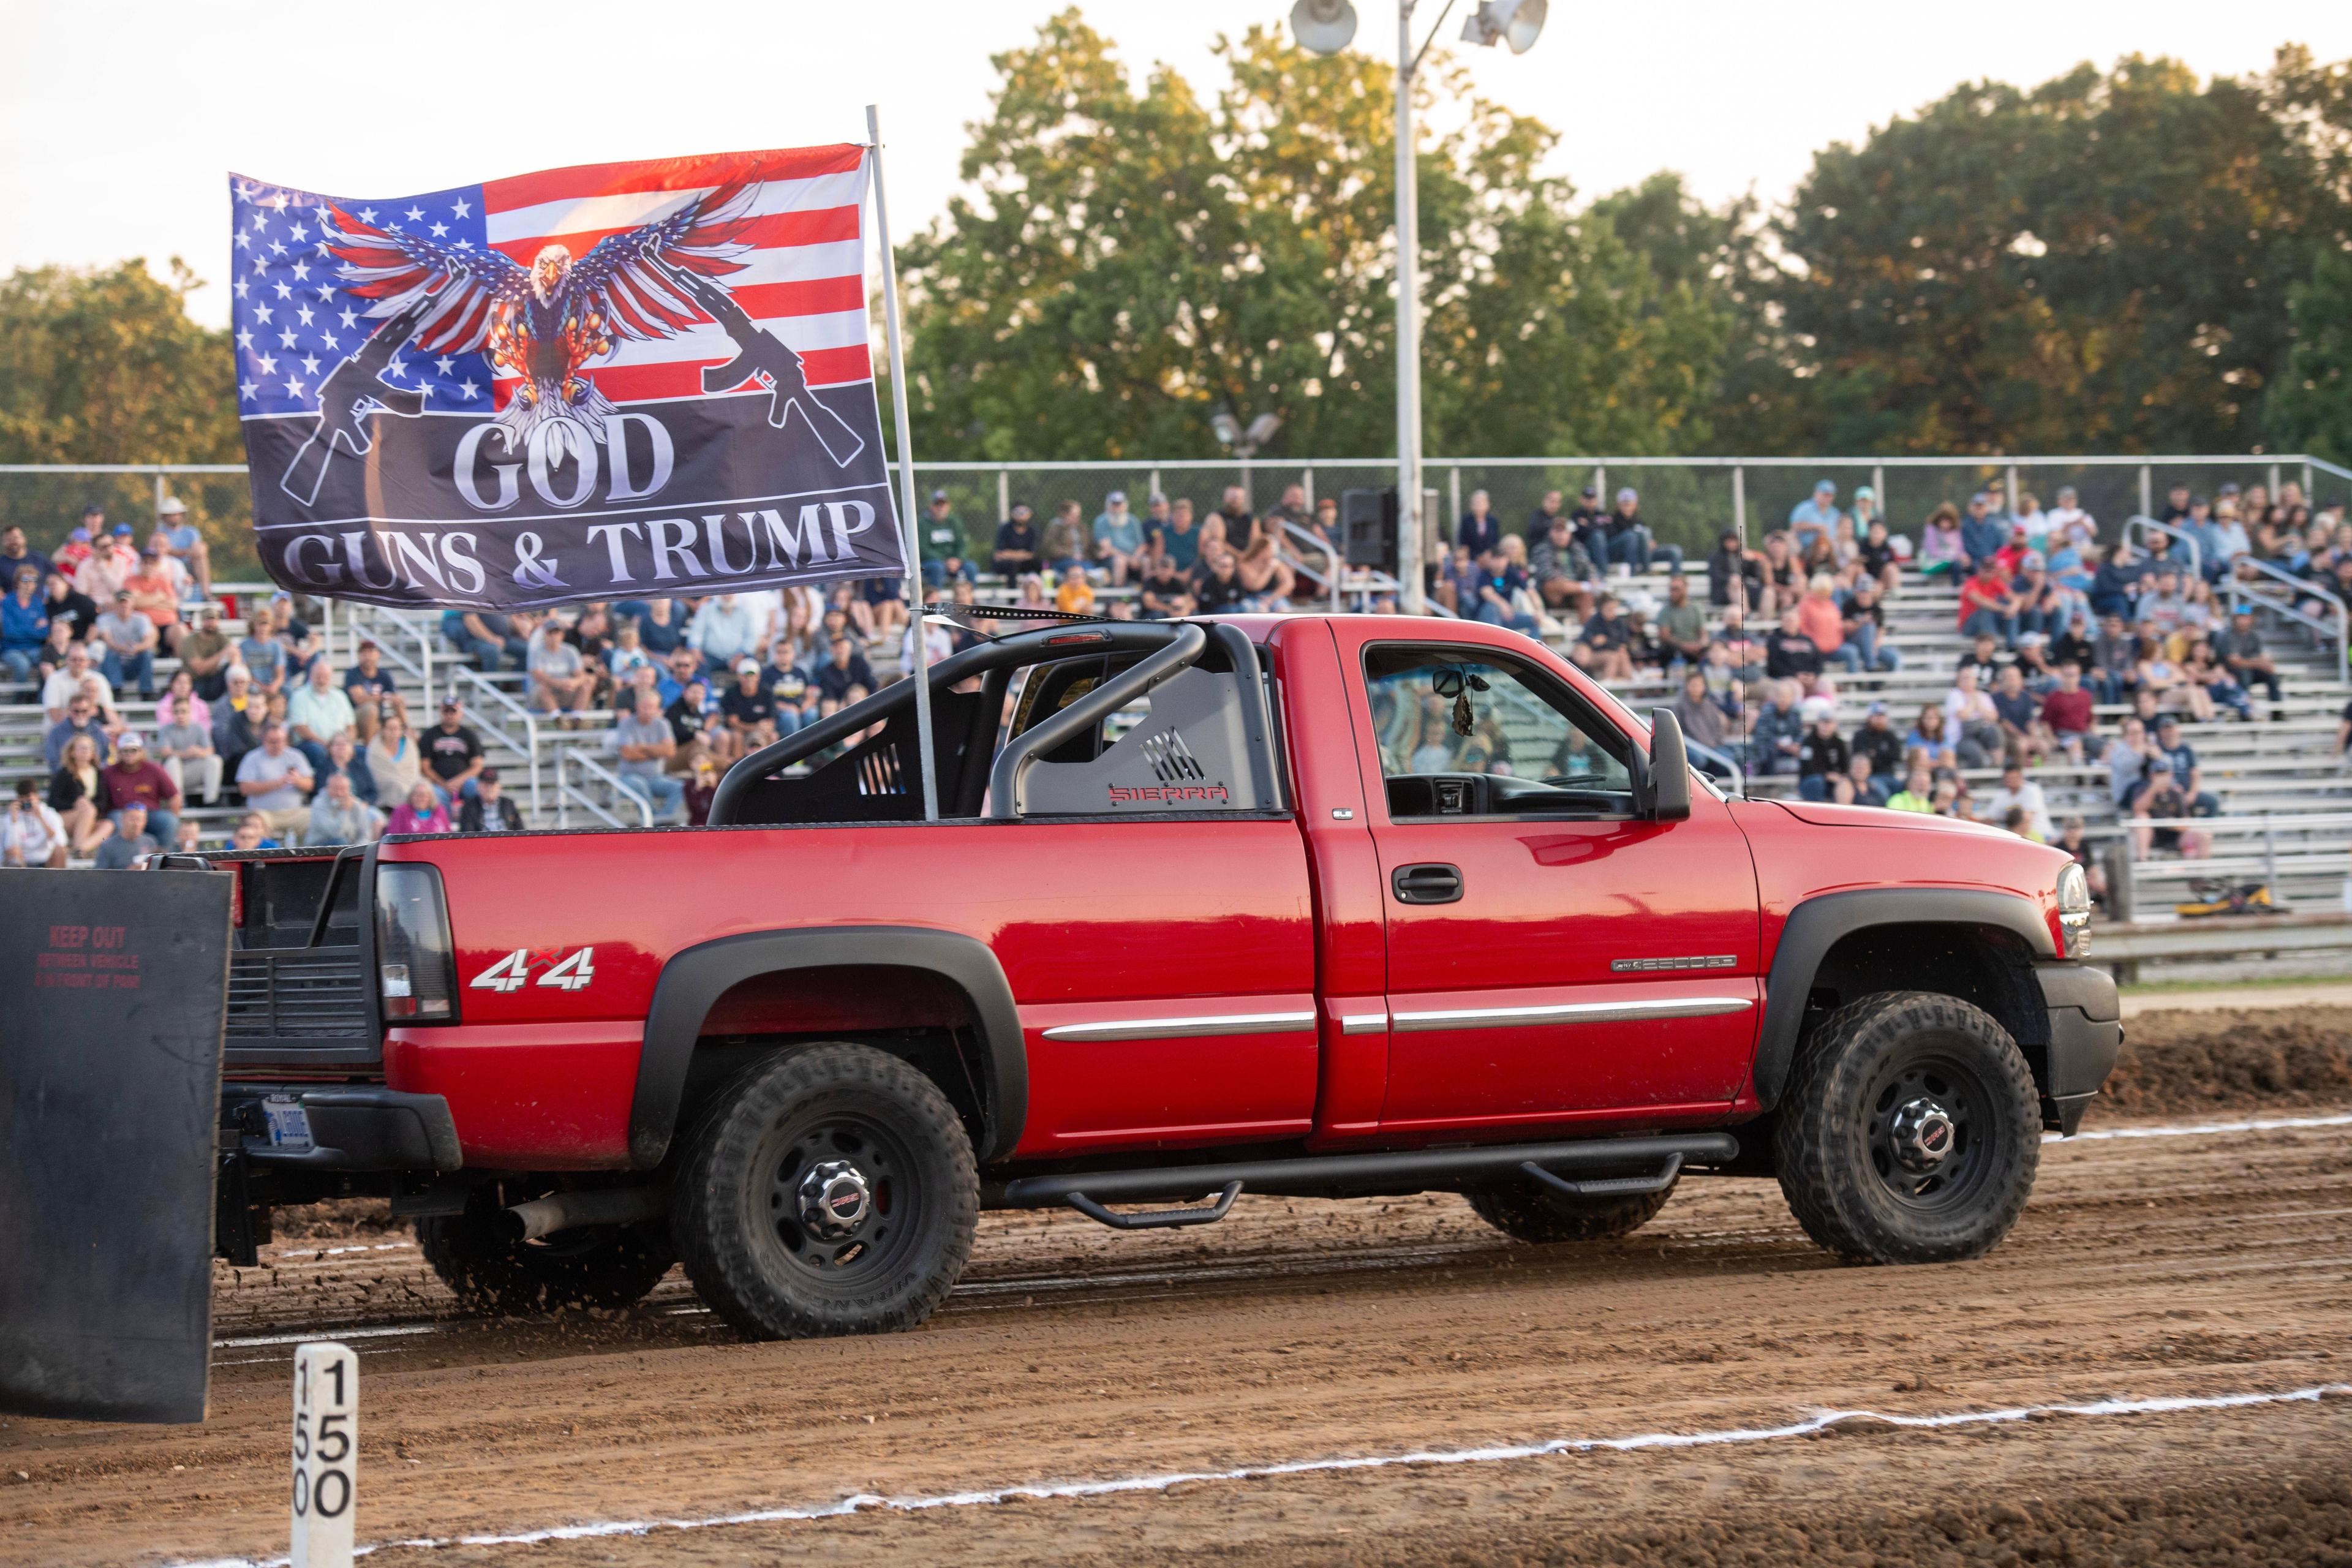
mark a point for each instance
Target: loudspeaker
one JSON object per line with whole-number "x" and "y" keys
{"x": 1368, "y": 528}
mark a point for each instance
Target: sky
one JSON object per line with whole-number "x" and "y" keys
{"x": 121, "y": 118}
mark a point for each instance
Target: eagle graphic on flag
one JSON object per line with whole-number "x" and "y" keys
{"x": 593, "y": 383}
{"x": 544, "y": 322}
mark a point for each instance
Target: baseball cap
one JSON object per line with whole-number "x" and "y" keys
{"x": 2173, "y": 720}
{"x": 78, "y": 536}
{"x": 939, "y": 495}
{"x": 1591, "y": 492}
{"x": 1116, "y": 498}
{"x": 1628, "y": 493}
{"x": 121, "y": 531}
{"x": 1877, "y": 709}
{"x": 449, "y": 705}
{"x": 93, "y": 509}
{"x": 1825, "y": 486}
{"x": 488, "y": 776}
{"x": 131, "y": 741}
{"x": 747, "y": 666}
{"x": 171, "y": 505}
{"x": 1021, "y": 508}
{"x": 1816, "y": 708}
{"x": 1863, "y": 492}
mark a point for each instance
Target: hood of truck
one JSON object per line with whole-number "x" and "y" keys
{"x": 1821, "y": 815}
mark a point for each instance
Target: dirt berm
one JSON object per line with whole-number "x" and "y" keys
{"x": 2176, "y": 1063}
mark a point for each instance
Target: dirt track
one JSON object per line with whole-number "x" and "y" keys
{"x": 2145, "y": 1267}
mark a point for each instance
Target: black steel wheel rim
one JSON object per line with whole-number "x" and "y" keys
{"x": 1960, "y": 1092}
{"x": 871, "y": 1248}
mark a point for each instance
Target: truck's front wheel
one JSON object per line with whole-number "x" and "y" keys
{"x": 602, "y": 1266}
{"x": 1910, "y": 1131}
{"x": 830, "y": 1191}
{"x": 1524, "y": 1213}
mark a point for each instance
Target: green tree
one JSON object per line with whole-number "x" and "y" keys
{"x": 2311, "y": 404}
{"x": 1130, "y": 262}
{"x": 106, "y": 367}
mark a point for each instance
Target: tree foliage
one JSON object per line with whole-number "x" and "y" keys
{"x": 106, "y": 367}
{"x": 1130, "y": 262}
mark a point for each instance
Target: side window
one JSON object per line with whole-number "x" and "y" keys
{"x": 1466, "y": 733}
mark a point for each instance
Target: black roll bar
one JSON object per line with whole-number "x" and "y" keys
{"x": 1004, "y": 780}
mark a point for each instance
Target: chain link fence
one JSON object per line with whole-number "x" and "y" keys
{"x": 1687, "y": 501}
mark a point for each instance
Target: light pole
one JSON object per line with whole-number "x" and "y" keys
{"x": 1325, "y": 26}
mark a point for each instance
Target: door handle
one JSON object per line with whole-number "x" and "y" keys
{"x": 1432, "y": 882}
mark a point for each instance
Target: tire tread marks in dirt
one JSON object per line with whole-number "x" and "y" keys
{"x": 719, "y": 1206}
{"x": 1820, "y": 1138}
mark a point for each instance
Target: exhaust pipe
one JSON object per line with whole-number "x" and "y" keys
{"x": 567, "y": 1211}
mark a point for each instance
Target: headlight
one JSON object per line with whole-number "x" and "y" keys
{"x": 2073, "y": 910}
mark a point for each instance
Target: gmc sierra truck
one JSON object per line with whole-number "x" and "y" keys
{"x": 1329, "y": 906}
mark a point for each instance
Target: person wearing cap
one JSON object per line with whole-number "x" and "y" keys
{"x": 1815, "y": 517}
{"x": 132, "y": 838}
{"x": 748, "y": 709}
{"x": 561, "y": 681}
{"x": 133, "y": 778}
{"x": 944, "y": 544}
{"x": 1863, "y": 620}
{"x": 111, "y": 561}
{"x": 1627, "y": 541}
{"x": 1586, "y": 516}
{"x": 127, "y": 640}
{"x": 489, "y": 810}
{"x": 452, "y": 755}
{"x": 372, "y": 692}
{"x": 1865, "y": 510}
{"x": 81, "y": 541}
{"x": 186, "y": 545}
{"x": 1823, "y": 756}
{"x": 2161, "y": 799}
{"x": 1565, "y": 576}
{"x": 1118, "y": 547}
{"x": 1982, "y": 535}
{"x": 2069, "y": 521}
{"x": 32, "y": 833}
{"x": 1876, "y": 738}
{"x": 2239, "y": 647}
{"x": 2181, "y": 758}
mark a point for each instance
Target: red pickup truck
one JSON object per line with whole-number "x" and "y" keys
{"x": 1304, "y": 905}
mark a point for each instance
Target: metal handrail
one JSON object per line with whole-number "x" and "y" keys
{"x": 421, "y": 667}
{"x": 2149, "y": 524}
{"x": 566, "y": 791}
{"x": 527, "y": 746}
{"x": 2299, "y": 588}
{"x": 1722, "y": 759}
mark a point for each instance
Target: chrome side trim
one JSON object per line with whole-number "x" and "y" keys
{"x": 1569, "y": 1012}
{"x": 1181, "y": 1028}
{"x": 1363, "y": 1022}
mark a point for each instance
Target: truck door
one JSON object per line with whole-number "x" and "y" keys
{"x": 1550, "y": 955}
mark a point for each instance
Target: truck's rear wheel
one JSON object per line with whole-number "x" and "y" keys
{"x": 829, "y": 1190}
{"x": 1910, "y": 1131}
{"x": 602, "y": 1265}
{"x": 1522, "y": 1213}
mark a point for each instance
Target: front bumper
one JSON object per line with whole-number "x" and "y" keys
{"x": 351, "y": 1129}
{"x": 2087, "y": 1032}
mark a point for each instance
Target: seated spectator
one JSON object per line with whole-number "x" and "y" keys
{"x": 2023, "y": 735}
{"x": 263, "y": 657}
{"x": 1862, "y": 621}
{"x": 661, "y": 626}
{"x": 71, "y": 679}
{"x": 1073, "y": 595}
{"x": 1975, "y": 723}
{"x": 238, "y": 719}
{"x": 2187, "y": 774}
{"x": 130, "y": 840}
{"x": 338, "y": 816}
{"x": 1784, "y": 577}
{"x": 1564, "y": 575}
{"x": 185, "y": 545}
{"x": 1502, "y": 584}
{"x": 488, "y": 809}
{"x": 16, "y": 553}
{"x": 1821, "y": 620}
{"x": 78, "y": 797}
{"x": 1814, "y": 518}
{"x": 24, "y": 626}
{"x": 645, "y": 745}
{"x": 1777, "y": 733}
{"x": 1877, "y": 740}
{"x": 2116, "y": 584}
{"x": 345, "y": 760}
{"x": 1167, "y": 594}
{"x": 1987, "y": 604}
{"x": 1608, "y": 641}
{"x": 2205, "y": 672}
{"x": 69, "y": 604}
{"x": 725, "y": 631}
{"x": 1735, "y": 573}
{"x": 422, "y": 812}
{"x": 2066, "y": 714}
{"x": 110, "y": 564}
{"x": 2158, "y": 810}
{"x": 372, "y": 692}
{"x": 2069, "y": 521}
{"x": 81, "y": 718}
{"x": 274, "y": 780}
{"x": 1118, "y": 543}
{"x": 1458, "y": 580}
{"x": 1179, "y": 540}
{"x": 1930, "y": 741}
{"x": 2165, "y": 683}
{"x": 1627, "y": 540}
{"x": 451, "y": 754}
{"x": 1983, "y": 535}
{"x": 2071, "y": 840}
{"x": 1824, "y": 753}
{"x": 845, "y": 670}
{"x": 134, "y": 778}
{"x": 884, "y": 602}
{"x": 1943, "y": 549}
{"x": 1061, "y": 546}
{"x": 156, "y": 590}
{"x": 1701, "y": 716}
{"x": 2239, "y": 650}
{"x": 1682, "y": 632}
{"x": 1216, "y": 586}
{"x": 1789, "y": 653}
{"x": 560, "y": 681}
{"x": 31, "y": 834}
{"x": 1267, "y": 582}
{"x": 1917, "y": 793}
{"x": 2018, "y": 791}
{"x": 206, "y": 653}
{"x": 316, "y": 713}
{"x": 252, "y": 833}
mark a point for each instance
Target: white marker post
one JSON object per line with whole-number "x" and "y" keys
{"x": 325, "y": 1454}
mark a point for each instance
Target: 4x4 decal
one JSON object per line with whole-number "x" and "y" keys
{"x": 513, "y": 973}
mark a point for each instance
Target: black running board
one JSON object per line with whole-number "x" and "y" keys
{"x": 1344, "y": 1175}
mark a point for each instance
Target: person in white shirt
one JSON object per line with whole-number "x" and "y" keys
{"x": 318, "y": 712}
{"x": 2068, "y": 519}
{"x": 32, "y": 833}
{"x": 2017, "y": 790}
{"x": 60, "y": 688}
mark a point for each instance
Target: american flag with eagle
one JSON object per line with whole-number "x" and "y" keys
{"x": 564, "y": 351}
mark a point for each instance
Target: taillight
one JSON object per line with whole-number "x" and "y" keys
{"x": 416, "y": 969}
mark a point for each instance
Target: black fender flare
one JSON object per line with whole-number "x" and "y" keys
{"x": 1820, "y": 923}
{"x": 693, "y": 980}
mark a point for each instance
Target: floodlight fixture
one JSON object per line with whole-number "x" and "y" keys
{"x": 1323, "y": 27}
{"x": 1225, "y": 427}
{"x": 1513, "y": 22}
{"x": 1262, "y": 428}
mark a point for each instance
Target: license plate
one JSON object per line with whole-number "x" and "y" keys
{"x": 289, "y": 1124}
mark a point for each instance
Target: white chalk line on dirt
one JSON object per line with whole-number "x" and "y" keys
{"x": 860, "y": 1502}
{"x": 2203, "y": 1128}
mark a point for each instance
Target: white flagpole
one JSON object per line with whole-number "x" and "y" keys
{"x": 918, "y": 633}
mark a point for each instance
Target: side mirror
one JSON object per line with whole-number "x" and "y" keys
{"x": 1665, "y": 789}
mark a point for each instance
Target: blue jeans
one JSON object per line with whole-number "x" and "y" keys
{"x": 1848, "y": 655}
{"x": 1493, "y": 615}
{"x": 1637, "y": 548}
{"x": 664, "y": 793}
{"x": 20, "y": 662}
{"x": 1865, "y": 641}
{"x": 316, "y": 756}
{"x": 1980, "y": 621}
{"x": 466, "y": 790}
{"x": 137, "y": 669}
